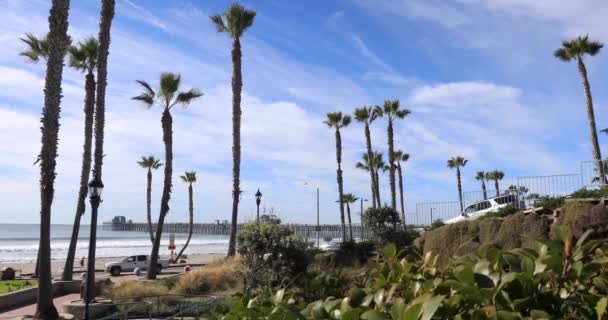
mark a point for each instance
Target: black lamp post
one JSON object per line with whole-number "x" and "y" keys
{"x": 95, "y": 189}
{"x": 258, "y": 200}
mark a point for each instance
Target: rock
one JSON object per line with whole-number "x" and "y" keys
{"x": 453, "y": 239}
{"x": 508, "y": 236}
{"x": 536, "y": 227}
{"x": 488, "y": 228}
{"x": 579, "y": 216}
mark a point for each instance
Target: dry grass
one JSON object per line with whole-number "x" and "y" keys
{"x": 220, "y": 275}
{"x": 128, "y": 289}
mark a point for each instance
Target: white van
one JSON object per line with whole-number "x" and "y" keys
{"x": 483, "y": 207}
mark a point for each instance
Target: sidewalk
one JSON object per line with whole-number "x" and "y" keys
{"x": 31, "y": 309}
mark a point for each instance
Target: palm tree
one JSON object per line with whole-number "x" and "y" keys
{"x": 392, "y": 110}
{"x": 189, "y": 177}
{"x": 149, "y": 163}
{"x": 481, "y": 176}
{"x": 105, "y": 24}
{"x": 58, "y": 42}
{"x": 379, "y": 165}
{"x": 338, "y": 121}
{"x": 167, "y": 96}
{"x": 349, "y": 198}
{"x": 37, "y": 50}
{"x": 83, "y": 57}
{"x": 457, "y": 163}
{"x": 496, "y": 176}
{"x": 235, "y": 22}
{"x": 367, "y": 115}
{"x": 401, "y": 156}
{"x": 576, "y": 49}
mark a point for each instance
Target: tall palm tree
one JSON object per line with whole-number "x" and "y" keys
{"x": 105, "y": 24}
{"x": 576, "y": 49}
{"x": 481, "y": 176}
{"x": 365, "y": 165}
{"x": 167, "y": 96}
{"x": 457, "y": 163}
{"x": 37, "y": 49}
{"x": 234, "y": 23}
{"x": 379, "y": 165}
{"x": 401, "y": 156}
{"x": 392, "y": 110}
{"x": 337, "y": 121}
{"x": 496, "y": 176}
{"x": 149, "y": 162}
{"x": 189, "y": 177}
{"x": 83, "y": 58}
{"x": 58, "y": 42}
{"x": 367, "y": 115}
{"x": 349, "y": 198}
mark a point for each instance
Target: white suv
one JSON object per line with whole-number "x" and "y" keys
{"x": 484, "y": 207}
{"x": 133, "y": 262}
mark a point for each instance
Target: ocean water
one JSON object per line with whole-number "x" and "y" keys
{"x": 19, "y": 243}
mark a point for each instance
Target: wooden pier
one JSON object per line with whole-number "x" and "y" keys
{"x": 308, "y": 231}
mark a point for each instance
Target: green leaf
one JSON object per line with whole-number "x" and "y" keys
{"x": 600, "y": 307}
{"x": 464, "y": 274}
{"x": 278, "y": 297}
{"x": 379, "y": 296}
{"x": 539, "y": 315}
{"x": 372, "y": 315}
{"x": 429, "y": 308}
{"x": 562, "y": 233}
{"x": 412, "y": 312}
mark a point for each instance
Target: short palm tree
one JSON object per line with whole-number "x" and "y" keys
{"x": 367, "y": 115}
{"x": 481, "y": 176}
{"x": 189, "y": 177}
{"x": 349, "y": 198}
{"x": 83, "y": 58}
{"x": 457, "y": 163}
{"x": 37, "y": 49}
{"x": 379, "y": 165}
{"x": 401, "y": 156}
{"x": 167, "y": 96}
{"x": 58, "y": 42}
{"x": 575, "y": 50}
{"x": 235, "y": 21}
{"x": 150, "y": 163}
{"x": 392, "y": 110}
{"x": 337, "y": 121}
{"x": 496, "y": 176}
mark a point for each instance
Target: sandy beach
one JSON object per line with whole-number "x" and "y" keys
{"x": 57, "y": 265}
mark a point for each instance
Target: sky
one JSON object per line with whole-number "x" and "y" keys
{"x": 479, "y": 77}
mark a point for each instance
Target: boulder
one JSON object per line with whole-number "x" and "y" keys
{"x": 579, "y": 216}
{"x": 508, "y": 236}
{"x": 536, "y": 226}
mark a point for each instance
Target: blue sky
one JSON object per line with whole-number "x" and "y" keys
{"x": 478, "y": 76}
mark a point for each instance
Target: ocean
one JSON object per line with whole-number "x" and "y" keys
{"x": 19, "y": 243}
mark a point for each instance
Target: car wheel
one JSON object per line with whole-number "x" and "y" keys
{"x": 115, "y": 271}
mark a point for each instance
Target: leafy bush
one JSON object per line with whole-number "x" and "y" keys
{"x": 550, "y": 203}
{"x": 381, "y": 221}
{"x": 217, "y": 276}
{"x": 350, "y": 253}
{"x": 271, "y": 254}
{"x": 500, "y": 213}
{"x": 554, "y": 279}
{"x": 437, "y": 224}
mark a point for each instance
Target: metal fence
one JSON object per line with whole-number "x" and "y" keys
{"x": 526, "y": 189}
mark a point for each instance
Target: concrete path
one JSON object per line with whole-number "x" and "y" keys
{"x": 31, "y": 309}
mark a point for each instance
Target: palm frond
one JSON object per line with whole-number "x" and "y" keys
{"x": 37, "y": 48}
{"x": 147, "y": 87}
{"x": 146, "y": 98}
{"x": 562, "y": 54}
{"x": 604, "y": 131}
{"x": 169, "y": 84}
{"x": 346, "y": 120}
{"x": 362, "y": 114}
{"x": 185, "y": 98}
{"x": 218, "y": 22}
{"x": 238, "y": 19}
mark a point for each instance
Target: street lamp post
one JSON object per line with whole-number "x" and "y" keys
{"x": 432, "y": 214}
{"x": 95, "y": 190}
{"x": 361, "y": 215}
{"x": 258, "y": 200}
{"x": 318, "y": 225}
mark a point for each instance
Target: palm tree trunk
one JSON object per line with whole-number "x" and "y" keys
{"x": 89, "y": 110}
{"x": 378, "y": 187}
{"x": 497, "y": 187}
{"x": 191, "y": 209}
{"x": 483, "y": 188}
{"x": 237, "y": 86}
{"x": 597, "y": 155}
{"x": 340, "y": 182}
{"x": 58, "y": 41}
{"x": 370, "y": 158}
{"x": 391, "y": 162}
{"x": 401, "y": 192}
{"x": 167, "y": 123}
{"x": 350, "y": 224}
{"x": 459, "y": 188}
{"x": 149, "y": 205}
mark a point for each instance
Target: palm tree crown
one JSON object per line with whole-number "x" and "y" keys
{"x": 480, "y": 176}
{"x": 235, "y": 22}
{"x": 189, "y": 177}
{"x": 401, "y": 156}
{"x": 149, "y": 162}
{"x": 83, "y": 56}
{"x": 37, "y": 48}
{"x": 366, "y": 114}
{"x": 337, "y": 120}
{"x": 349, "y": 198}
{"x": 392, "y": 109}
{"x": 457, "y": 162}
{"x": 167, "y": 95}
{"x": 577, "y": 48}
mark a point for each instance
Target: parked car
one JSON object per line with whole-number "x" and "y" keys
{"x": 481, "y": 208}
{"x": 131, "y": 263}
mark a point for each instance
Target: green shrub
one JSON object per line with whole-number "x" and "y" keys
{"x": 553, "y": 279}
{"x": 548, "y": 202}
{"x": 437, "y": 224}
{"x": 353, "y": 253}
{"x": 500, "y": 213}
{"x": 271, "y": 254}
